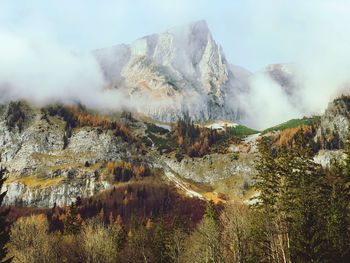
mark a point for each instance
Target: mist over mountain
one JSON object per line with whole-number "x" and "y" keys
{"x": 180, "y": 71}
{"x": 184, "y": 71}
{"x": 165, "y": 148}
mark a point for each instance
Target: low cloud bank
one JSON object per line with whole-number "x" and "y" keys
{"x": 41, "y": 71}
{"x": 316, "y": 35}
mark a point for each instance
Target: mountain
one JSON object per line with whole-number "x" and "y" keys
{"x": 334, "y": 127}
{"x": 284, "y": 75}
{"x": 57, "y": 153}
{"x": 180, "y": 71}
{"x": 49, "y": 159}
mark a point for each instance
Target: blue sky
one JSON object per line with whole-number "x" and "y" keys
{"x": 37, "y": 38}
{"x": 252, "y": 33}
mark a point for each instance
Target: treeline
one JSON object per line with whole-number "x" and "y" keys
{"x": 330, "y": 139}
{"x": 123, "y": 171}
{"x": 95, "y": 241}
{"x": 111, "y": 240}
{"x": 135, "y": 223}
{"x": 288, "y": 136}
{"x": 301, "y": 215}
{"x": 197, "y": 141}
{"x": 15, "y": 115}
{"x": 78, "y": 116}
{"x": 304, "y": 209}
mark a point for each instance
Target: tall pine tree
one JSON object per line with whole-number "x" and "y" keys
{"x": 308, "y": 199}
{"x": 72, "y": 224}
{"x": 294, "y": 200}
{"x": 338, "y": 218}
{"x": 270, "y": 181}
{"x": 4, "y": 234}
{"x": 160, "y": 242}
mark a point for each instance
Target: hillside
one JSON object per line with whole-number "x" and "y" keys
{"x": 294, "y": 123}
{"x": 57, "y": 153}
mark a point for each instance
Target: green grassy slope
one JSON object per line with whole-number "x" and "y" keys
{"x": 293, "y": 123}
{"x": 241, "y": 131}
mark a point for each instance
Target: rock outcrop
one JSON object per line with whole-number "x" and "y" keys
{"x": 43, "y": 169}
{"x": 61, "y": 192}
{"x": 335, "y": 123}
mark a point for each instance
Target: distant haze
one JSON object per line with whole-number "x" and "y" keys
{"x": 45, "y": 48}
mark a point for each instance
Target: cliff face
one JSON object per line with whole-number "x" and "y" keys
{"x": 48, "y": 163}
{"x": 46, "y": 167}
{"x": 182, "y": 70}
{"x": 335, "y": 123}
{"x": 51, "y": 161}
{"x": 62, "y": 192}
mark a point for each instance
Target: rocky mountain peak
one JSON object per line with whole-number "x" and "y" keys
{"x": 200, "y": 25}
{"x": 180, "y": 70}
{"x": 284, "y": 75}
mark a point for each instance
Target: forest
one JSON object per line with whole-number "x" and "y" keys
{"x": 300, "y": 215}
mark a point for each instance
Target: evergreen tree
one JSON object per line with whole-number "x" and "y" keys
{"x": 272, "y": 183}
{"x": 266, "y": 180}
{"x": 160, "y": 242}
{"x": 293, "y": 198}
{"x": 346, "y": 165}
{"x": 338, "y": 218}
{"x": 73, "y": 221}
{"x": 4, "y": 234}
{"x": 210, "y": 211}
{"x": 338, "y": 221}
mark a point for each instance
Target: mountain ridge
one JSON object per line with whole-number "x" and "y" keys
{"x": 182, "y": 70}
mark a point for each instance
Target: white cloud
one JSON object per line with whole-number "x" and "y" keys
{"x": 315, "y": 34}
{"x": 266, "y": 103}
{"x": 41, "y": 71}
{"x": 36, "y": 64}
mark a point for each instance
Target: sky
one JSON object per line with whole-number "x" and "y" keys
{"x": 253, "y": 33}
{"x": 45, "y": 47}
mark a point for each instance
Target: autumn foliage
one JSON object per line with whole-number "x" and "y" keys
{"x": 123, "y": 171}
{"x": 288, "y": 136}
{"x": 78, "y": 116}
{"x": 194, "y": 140}
{"x": 140, "y": 200}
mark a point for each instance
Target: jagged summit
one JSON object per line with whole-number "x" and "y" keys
{"x": 180, "y": 70}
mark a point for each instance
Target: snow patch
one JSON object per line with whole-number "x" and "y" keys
{"x": 164, "y": 126}
{"x": 220, "y": 125}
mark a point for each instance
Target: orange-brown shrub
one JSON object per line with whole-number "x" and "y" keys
{"x": 124, "y": 171}
{"x": 194, "y": 140}
{"x": 84, "y": 118}
{"x": 287, "y": 136}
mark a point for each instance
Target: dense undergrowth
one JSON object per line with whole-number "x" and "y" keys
{"x": 193, "y": 140}
{"x": 129, "y": 217}
{"x": 301, "y": 215}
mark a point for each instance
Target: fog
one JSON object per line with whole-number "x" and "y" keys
{"x": 37, "y": 65}
{"x": 320, "y": 47}
{"x": 41, "y": 71}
